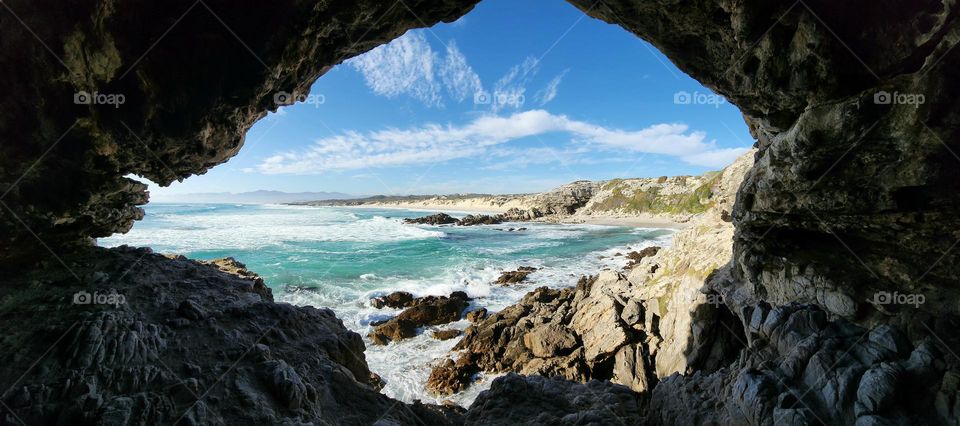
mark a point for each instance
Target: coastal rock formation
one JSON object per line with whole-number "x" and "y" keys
{"x": 395, "y": 300}
{"x": 434, "y": 219}
{"x": 129, "y": 337}
{"x": 480, "y": 219}
{"x": 446, "y": 334}
{"x": 429, "y": 310}
{"x": 514, "y": 277}
{"x": 574, "y": 333}
{"x": 534, "y": 400}
{"x": 636, "y": 256}
{"x": 800, "y": 368}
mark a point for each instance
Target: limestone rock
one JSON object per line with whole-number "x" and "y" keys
{"x": 550, "y": 340}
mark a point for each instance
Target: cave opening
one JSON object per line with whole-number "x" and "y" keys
{"x": 852, "y": 108}
{"x": 508, "y": 99}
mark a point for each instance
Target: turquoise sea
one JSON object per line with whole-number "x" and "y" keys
{"x": 341, "y": 257}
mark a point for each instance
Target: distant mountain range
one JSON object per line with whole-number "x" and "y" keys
{"x": 253, "y": 197}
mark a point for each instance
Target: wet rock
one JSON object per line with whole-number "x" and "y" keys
{"x": 393, "y": 330}
{"x": 477, "y": 315}
{"x": 636, "y": 256}
{"x": 434, "y": 219}
{"x": 446, "y": 334}
{"x": 395, "y": 300}
{"x": 472, "y": 220}
{"x": 430, "y": 310}
{"x": 452, "y": 376}
{"x": 514, "y": 277}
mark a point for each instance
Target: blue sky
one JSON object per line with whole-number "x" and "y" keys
{"x": 513, "y": 97}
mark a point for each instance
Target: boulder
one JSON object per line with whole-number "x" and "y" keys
{"x": 434, "y": 219}
{"x": 477, "y": 315}
{"x": 517, "y": 276}
{"x": 446, "y": 334}
{"x": 430, "y": 310}
{"x": 471, "y": 220}
{"x": 636, "y": 256}
{"x": 395, "y": 300}
{"x": 452, "y": 376}
{"x": 537, "y": 400}
{"x": 550, "y": 340}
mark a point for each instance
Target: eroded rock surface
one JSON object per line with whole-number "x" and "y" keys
{"x": 517, "y": 276}
{"x": 574, "y": 333}
{"x": 429, "y": 310}
{"x": 161, "y": 340}
{"x": 534, "y": 400}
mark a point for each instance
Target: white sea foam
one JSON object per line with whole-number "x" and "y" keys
{"x": 267, "y": 227}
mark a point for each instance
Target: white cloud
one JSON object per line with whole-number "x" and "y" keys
{"x": 550, "y": 92}
{"x": 405, "y": 66}
{"x": 457, "y": 75}
{"x": 409, "y": 66}
{"x": 715, "y": 158}
{"x": 510, "y": 90}
{"x": 436, "y": 143}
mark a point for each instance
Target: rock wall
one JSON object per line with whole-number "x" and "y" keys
{"x": 193, "y": 76}
{"x": 138, "y": 338}
{"x": 854, "y": 110}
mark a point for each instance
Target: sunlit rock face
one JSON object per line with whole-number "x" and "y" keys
{"x": 854, "y": 109}
{"x": 164, "y": 90}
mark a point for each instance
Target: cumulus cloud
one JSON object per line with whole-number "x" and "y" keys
{"x": 437, "y": 143}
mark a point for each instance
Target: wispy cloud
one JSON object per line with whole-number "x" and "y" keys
{"x": 548, "y": 93}
{"x": 457, "y": 75}
{"x": 436, "y": 143}
{"x": 409, "y": 66}
{"x": 510, "y": 90}
{"x": 405, "y": 66}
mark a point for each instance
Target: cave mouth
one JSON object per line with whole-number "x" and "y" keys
{"x": 457, "y": 78}
{"x": 813, "y": 79}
